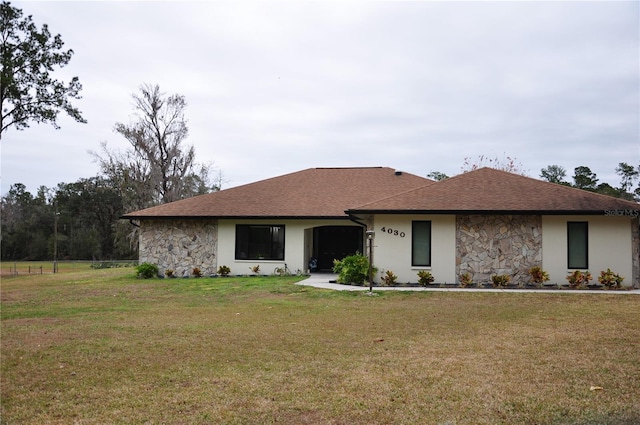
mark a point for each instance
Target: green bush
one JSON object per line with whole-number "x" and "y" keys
{"x": 146, "y": 271}
{"x": 353, "y": 269}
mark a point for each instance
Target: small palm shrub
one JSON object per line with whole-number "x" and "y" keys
{"x": 578, "y": 279}
{"x": 425, "y": 278}
{"x": 169, "y": 272}
{"x": 255, "y": 269}
{"x": 146, "y": 271}
{"x": 610, "y": 279}
{"x": 389, "y": 278}
{"x": 538, "y": 275}
{"x": 224, "y": 271}
{"x": 353, "y": 269}
{"x": 500, "y": 280}
{"x": 196, "y": 272}
{"x": 466, "y": 279}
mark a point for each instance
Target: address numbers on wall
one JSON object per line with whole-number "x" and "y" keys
{"x": 393, "y": 232}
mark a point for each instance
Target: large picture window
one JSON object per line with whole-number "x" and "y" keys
{"x": 578, "y": 244}
{"x": 259, "y": 242}
{"x": 421, "y": 243}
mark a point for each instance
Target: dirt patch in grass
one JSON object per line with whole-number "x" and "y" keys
{"x": 108, "y": 348}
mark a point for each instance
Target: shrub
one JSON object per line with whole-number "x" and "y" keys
{"x": 538, "y": 275}
{"x": 500, "y": 280}
{"x": 196, "y": 272}
{"x": 224, "y": 271}
{"x": 578, "y": 279}
{"x": 352, "y": 269}
{"x": 610, "y": 279}
{"x": 425, "y": 278}
{"x": 466, "y": 279}
{"x": 389, "y": 278}
{"x": 255, "y": 269}
{"x": 169, "y": 272}
{"x": 146, "y": 271}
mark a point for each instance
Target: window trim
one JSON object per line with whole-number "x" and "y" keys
{"x": 415, "y": 263}
{"x": 584, "y": 227}
{"x": 274, "y": 254}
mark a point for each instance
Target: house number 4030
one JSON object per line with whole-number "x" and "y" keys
{"x": 394, "y": 232}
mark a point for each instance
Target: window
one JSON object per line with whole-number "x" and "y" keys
{"x": 421, "y": 243}
{"x": 259, "y": 242}
{"x": 578, "y": 244}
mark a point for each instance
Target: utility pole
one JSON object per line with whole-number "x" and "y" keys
{"x": 55, "y": 240}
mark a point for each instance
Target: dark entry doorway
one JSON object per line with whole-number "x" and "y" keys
{"x": 335, "y": 242}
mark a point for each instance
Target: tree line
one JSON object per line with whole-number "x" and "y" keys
{"x": 80, "y": 220}
{"x": 583, "y": 178}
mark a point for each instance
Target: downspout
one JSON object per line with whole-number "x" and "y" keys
{"x": 355, "y": 220}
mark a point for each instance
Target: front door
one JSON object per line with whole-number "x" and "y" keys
{"x": 335, "y": 242}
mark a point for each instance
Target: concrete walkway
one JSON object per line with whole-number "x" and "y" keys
{"x": 327, "y": 281}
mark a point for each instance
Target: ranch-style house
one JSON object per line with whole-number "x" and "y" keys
{"x": 482, "y": 222}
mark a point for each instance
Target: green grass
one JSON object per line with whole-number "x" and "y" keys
{"x": 99, "y": 346}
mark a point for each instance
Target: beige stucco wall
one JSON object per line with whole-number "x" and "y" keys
{"x": 297, "y": 244}
{"x": 614, "y": 242}
{"x": 610, "y": 246}
{"x": 392, "y": 251}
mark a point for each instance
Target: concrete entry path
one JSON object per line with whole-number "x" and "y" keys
{"x": 328, "y": 281}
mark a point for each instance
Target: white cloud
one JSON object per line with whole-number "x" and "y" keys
{"x": 274, "y": 87}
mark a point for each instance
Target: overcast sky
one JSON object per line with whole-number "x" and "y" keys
{"x": 277, "y": 87}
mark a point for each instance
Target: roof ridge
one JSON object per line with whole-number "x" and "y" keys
{"x": 548, "y": 183}
{"x": 349, "y": 168}
{"x": 431, "y": 182}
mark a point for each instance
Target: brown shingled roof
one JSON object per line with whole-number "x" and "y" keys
{"x": 490, "y": 190}
{"x": 313, "y": 193}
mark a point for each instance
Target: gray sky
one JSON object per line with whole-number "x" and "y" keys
{"x": 276, "y": 87}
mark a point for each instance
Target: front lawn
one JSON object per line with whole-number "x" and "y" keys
{"x": 99, "y": 346}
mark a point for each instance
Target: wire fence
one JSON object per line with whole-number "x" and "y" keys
{"x": 22, "y": 268}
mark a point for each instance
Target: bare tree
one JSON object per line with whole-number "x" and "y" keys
{"x": 511, "y": 165}
{"x": 158, "y": 167}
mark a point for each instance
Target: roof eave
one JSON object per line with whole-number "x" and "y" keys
{"x": 233, "y": 217}
{"x": 630, "y": 213}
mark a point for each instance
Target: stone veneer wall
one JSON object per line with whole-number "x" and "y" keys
{"x": 498, "y": 244}
{"x": 180, "y": 245}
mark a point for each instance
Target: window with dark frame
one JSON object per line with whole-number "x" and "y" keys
{"x": 421, "y": 243}
{"x": 578, "y": 245}
{"x": 259, "y": 242}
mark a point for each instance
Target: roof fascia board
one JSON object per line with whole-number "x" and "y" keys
{"x": 631, "y": 213}
{"x": 243, "y": 217}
